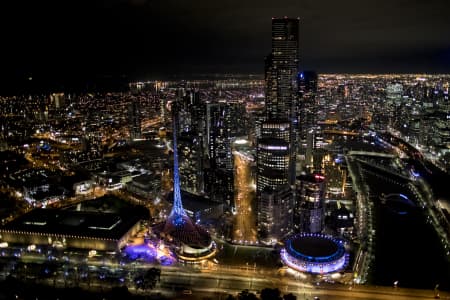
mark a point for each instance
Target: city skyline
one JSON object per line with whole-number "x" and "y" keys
{"x": 207, "y": 182}
{"x": 60, "y": 43}
{"x": 370, "y": 148}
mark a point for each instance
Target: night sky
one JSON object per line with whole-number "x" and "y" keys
{"x": 73, "y": 40}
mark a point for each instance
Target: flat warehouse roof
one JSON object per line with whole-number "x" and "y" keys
{"x": 75, "y": 223}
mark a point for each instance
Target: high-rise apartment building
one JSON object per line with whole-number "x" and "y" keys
{"x": 224, "y": 123}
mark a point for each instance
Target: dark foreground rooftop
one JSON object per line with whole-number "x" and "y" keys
{"x": 75, "y": 223}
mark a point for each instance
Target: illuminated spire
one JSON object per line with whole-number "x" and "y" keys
{"x": 178, "y": 226}
{"x": 177, "y": 213}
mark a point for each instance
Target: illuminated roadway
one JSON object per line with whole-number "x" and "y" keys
{"x": 341, "y": 132}
{"x": 208, "y": 285}
{"x": 218, "y": 280}
{"x": 367, "y": 153}
{"x": 224, "y": 281}
{"x": 244, "y": 231}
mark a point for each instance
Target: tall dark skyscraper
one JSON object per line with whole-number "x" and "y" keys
{"x": 307, "y": 90}
{"x": 282, "y": 89}
{"x": 134, "y": 120}
{"x": 276, "y": 168}
{"x": 307, "y": 116}
{"x": 282, "y": 69}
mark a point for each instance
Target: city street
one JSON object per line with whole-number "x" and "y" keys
{"x": 244, "y": 231}
{"x": 210, "y": 280}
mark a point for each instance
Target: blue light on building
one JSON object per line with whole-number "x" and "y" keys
{"x": 177, "y": 215}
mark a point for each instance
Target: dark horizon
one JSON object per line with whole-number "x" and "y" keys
{"x": 120, "y": 83}
{"x": 80, "y": 41}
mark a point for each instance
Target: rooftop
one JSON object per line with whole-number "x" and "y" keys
{"x": 314, "y": 247}
{"x": 77, "y": 223}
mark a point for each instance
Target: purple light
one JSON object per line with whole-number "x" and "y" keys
{"x": 149, "y": 253}
{"x": 141, "y": 251}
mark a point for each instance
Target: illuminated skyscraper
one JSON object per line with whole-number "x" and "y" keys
{"x": 272, "y": 163}
{"x": 273, "y": 191}
{"x": 58, "y": 100}
{"x": 276, "y": 146}
{"x": 394, "y": 94}
{"x": 282, "y": 69}
{"x": 281, "y": 82}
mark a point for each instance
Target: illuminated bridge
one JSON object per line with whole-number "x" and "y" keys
{"x": 383, "y": 169}
{"x": 359, "y": 155}
{"x": 367, "y": 153}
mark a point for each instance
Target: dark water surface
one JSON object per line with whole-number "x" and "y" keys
{"x": 407, "y": 248}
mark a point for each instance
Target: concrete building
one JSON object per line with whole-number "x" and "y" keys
{"x": 71, "y": 229}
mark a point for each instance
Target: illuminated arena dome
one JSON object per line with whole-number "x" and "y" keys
{"x": 314, "y": 253}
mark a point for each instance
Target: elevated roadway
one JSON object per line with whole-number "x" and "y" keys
{"x": 368, "y": 153}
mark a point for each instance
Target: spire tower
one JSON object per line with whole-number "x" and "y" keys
{"x": 193, "y": 243}
{"x": 177, "y": 215}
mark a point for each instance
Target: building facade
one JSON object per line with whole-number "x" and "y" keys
{"x": 309, "y": 205}
{"x": 276, "y": 143}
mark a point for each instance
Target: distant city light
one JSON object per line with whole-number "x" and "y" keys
{"x": 275, "y": 147}
{"x": 241, "y": 142}
{"x": 318, "y": 176}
